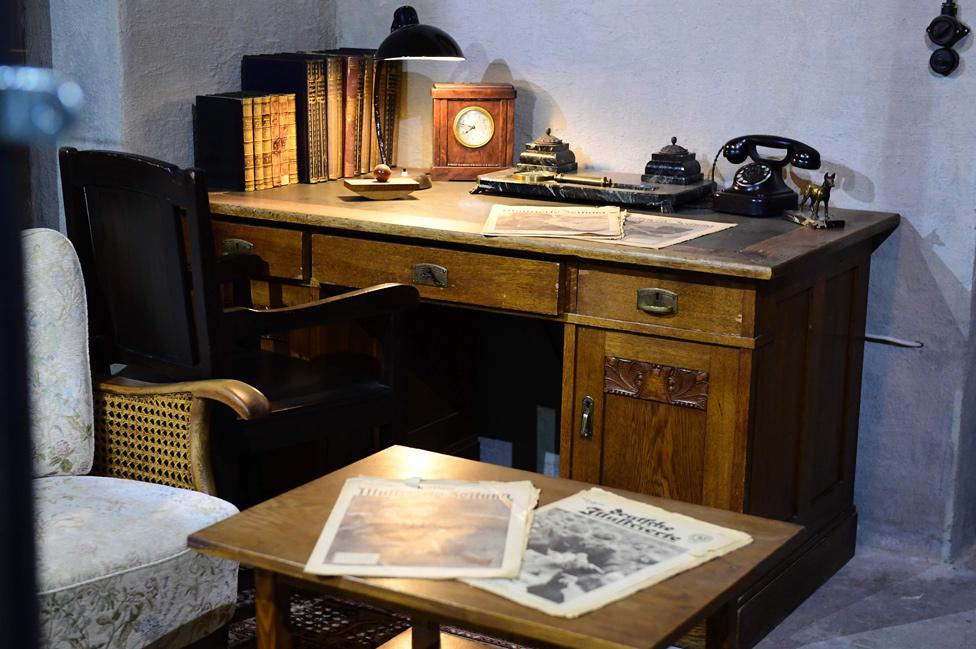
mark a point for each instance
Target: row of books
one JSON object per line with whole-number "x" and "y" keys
{"x": 246, "y": 140}
{"x": 333, "y": 118}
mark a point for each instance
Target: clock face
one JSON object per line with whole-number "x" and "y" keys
{"x": 474, "y": 127}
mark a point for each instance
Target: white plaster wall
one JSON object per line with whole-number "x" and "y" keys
{"x": 176, "y": 50}
{"x": 618, "y": 78}
{"x": 141, "y": 63}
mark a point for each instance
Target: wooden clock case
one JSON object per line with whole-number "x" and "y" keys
{"x": 453, "y": 160}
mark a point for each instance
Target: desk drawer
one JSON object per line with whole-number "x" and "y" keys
{"x": 699, "y": 306}
{"x": 477, "y": 279}
{"x": 280, "y": 249}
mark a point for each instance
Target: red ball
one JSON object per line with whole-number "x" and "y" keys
{"x": 382, "y": 173}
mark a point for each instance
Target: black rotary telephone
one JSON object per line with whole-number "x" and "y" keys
{"x": 758, "y": 188}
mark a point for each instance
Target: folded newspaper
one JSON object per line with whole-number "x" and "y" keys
{"x": 653, "y": 231}
{"x": 539, "y": 221}
{"x": 596, "y": 547}
{"x": 436, "y": 529}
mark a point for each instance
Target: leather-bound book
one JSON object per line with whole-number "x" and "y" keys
{"x": 335, "y": 84}
{"x": 247, "y": 109}
{"x": 285, "y": 73}
{"x": 257, "y": 134}
{"x": 351, "y": 107}
{"x": 223, "y": 139}
{"x": 366, "y": 114}
{"x": 290, "y": 156}
{"x": 266, "y": 143}
{"x": 276, "y": 140}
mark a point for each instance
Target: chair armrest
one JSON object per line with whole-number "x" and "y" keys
{"x": 245, "y": 400}
{"x": 161, "y": 432}
{"x": 379, "y": 300}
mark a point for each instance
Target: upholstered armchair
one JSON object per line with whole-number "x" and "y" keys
{"x": 114, "y": 569}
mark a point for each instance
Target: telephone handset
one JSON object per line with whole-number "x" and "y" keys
{"x": 758, "y": 188}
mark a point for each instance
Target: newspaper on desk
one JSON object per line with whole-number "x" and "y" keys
{"x": 608, "y": 223}
{"x": 425, "y": 528}
{"x": 541, "y": 221}
{"x": 653, "y": 231}
{"x": 596, "y": 547}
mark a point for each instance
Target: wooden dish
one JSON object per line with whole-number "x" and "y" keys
{"x": 382, "y": 191}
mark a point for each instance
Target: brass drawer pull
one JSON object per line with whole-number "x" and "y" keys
{"x": 586, "y": 427}
{"x": 657, "y": 301}
{"x": 231, "y": 246}
{"x": 429, "y": 275}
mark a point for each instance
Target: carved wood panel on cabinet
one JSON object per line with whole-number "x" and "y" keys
{"x": 665, "y": 417}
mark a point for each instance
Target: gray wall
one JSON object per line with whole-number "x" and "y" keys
{"x": 618, "y": 78}
{"x": 142, "y": 62}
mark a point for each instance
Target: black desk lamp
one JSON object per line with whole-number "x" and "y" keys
{"x": 409, "y": 39}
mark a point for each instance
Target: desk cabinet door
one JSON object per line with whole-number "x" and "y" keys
{"x": 656, "y": 416}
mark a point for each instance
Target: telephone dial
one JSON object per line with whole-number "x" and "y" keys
{"x": 758, "y": 188}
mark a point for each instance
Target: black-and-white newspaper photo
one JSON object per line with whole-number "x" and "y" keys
{"x": 425, "y": 528}
{"x": 596, "y": 547}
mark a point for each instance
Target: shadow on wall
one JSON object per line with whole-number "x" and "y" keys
{"x": 853, "y": 183}
{"x": 912, "y": 402}
{"x": 528, "y": 97}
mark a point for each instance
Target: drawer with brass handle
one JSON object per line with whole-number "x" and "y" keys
{"x": 665, "y": 300}
{"x": 476, "y": 279}
{"x": 280, "y": 249}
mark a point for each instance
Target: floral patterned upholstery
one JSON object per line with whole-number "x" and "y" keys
{"x": 57, "y": 345}
{"x": 113, "y": 569}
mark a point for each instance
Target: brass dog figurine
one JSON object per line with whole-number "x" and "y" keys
{"x": 818, "y": 195}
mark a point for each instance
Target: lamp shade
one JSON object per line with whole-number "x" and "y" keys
{"x": 409, "y": 39}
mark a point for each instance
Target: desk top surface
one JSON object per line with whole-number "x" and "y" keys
{"x": 278, "y": 535}
{"x": 757, "y": 248}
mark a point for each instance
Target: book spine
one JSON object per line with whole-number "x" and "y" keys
{"x": 314, "y": 169}
{"x": 276, "y": 142}
{"x": 247, "y": 118}
{"x": 365, "y": 92}
{"x": 334, "y": 92}
{"x": 257, "y": 136}
{"x": 350, "y": 108}
{"x": 320, "y": 92}
{"x": 290, "y": 157}
{"x": 266, "y": 144}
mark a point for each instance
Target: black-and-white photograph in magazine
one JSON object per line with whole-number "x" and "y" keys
{"x": 570, "y": 554}
{"x": 596, "y": 547}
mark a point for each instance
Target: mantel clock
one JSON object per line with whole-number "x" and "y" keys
{"x": 474, "y": 129}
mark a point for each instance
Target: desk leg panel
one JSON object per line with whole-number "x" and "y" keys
{"x": 271, "y": 604}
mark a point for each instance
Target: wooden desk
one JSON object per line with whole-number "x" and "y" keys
{"x": 277, "y": 536}
{"x": 746, "y": 399}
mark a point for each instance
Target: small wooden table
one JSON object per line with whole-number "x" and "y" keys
{"x": 277, "y": 536}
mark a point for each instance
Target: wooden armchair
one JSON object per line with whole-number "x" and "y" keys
{"x": 142, "y": 231}
{"x": 113, "y": 566}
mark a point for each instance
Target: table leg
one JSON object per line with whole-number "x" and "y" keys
{"x": 425, "y": 634}
{"x": 271, "y": 608}
{"x": 721, "y": 629}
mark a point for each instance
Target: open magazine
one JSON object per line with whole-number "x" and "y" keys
{"x": 425, "y": 528}
{"x": 596, "y": 547}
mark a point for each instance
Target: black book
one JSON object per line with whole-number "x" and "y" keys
{"x": 287, "y": 73}
{"x": 220, "y": 142}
